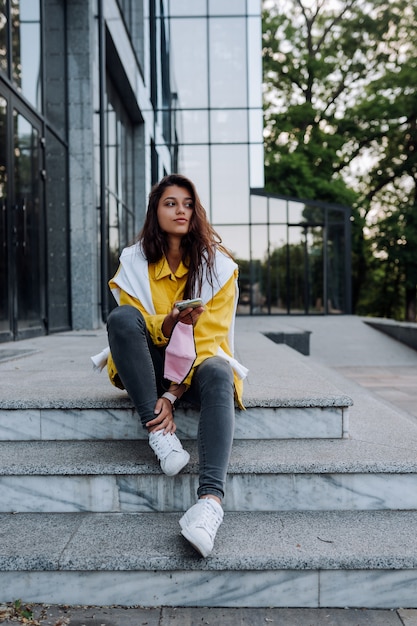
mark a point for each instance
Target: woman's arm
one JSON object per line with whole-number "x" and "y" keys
{"x": 213, "y": 326}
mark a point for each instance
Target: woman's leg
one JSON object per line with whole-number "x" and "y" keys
{"x": 140, "y": 367}
{"x": 213, "y": 386}
{"x": 138, "y": 361}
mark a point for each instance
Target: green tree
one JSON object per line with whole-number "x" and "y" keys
{"x": 385, "y": 118}
{"x": 340, "y": 85}
{"x": 394, "y": 276}
{"x": 315, "y": 59}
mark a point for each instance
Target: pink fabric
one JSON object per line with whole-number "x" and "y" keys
{"x": 180, "y": 353}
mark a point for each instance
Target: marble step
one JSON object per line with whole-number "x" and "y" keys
{"x": 285, "y": 397}
{"x": 277, "y": 422}
{"x": 287, "y": 559}
{"x": 123, "y": 476}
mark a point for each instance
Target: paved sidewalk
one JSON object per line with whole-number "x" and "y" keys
{"x": 371, "y": 358}
{"x": 137, "y": 616}
{"x": 358, "y": 352}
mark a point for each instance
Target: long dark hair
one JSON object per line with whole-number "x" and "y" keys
{"x": 198, "y": 245}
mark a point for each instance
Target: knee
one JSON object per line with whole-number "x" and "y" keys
{"x": 216, "y": 370}
{"x": 124, "y": 317}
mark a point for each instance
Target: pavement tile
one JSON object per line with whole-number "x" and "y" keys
{"x": 279, "y": 617}
{"x": 408, "y": 616}
{"x": 45, "y": 615}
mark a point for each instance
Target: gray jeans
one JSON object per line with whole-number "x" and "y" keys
{"x": 140, "y": 366}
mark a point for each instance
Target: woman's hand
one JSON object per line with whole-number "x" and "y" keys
{"x": 187, "y": 316}
{"x": 164, "y": 419}
{"x": 190, "y": 316}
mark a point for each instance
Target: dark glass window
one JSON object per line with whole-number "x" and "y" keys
{"x": 119, "y": 177}
{"x": 132, "y": 12}
{"x": 26, "y": 49}
{"x": 4, "y": 273}
{"x": 55, "y": 64}
{"x": 28, "y": 222}
{"x": 3, "y": 36}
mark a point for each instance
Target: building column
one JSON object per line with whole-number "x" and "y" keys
{"x": 84, "y": 215}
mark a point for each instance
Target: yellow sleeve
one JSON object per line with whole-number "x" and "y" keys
{"x": 212, "y": 328}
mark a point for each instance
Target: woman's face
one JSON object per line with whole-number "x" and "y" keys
{"x": 174, "y": 211}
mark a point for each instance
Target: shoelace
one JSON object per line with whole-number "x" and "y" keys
{"x": 165, "y": 444}
{"x": 210, "y": 518}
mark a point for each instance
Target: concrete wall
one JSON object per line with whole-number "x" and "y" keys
{"x": 83, "y": 211}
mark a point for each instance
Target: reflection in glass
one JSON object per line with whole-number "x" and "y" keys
{"x": 229, "y": 125}
{"x": 259, "y": 209}
{"x": 278, "y": 210}
{"x": 114, "y": 236}
{"x": 26, "y": 49}
{"x": 4, "y": 273}
{"x": 133, "y": 18}
{"x": 256, "y": 122}
{"x": 230, "y": 203}
{"x": 315, "y": 270}
{"x": 295, "y": 212}
{"x": 194, "y": 163}
{"x": 193, "y": 126}
{"x": 335, "y": 216}
{"x": 119, "y": 178}
{"x": 277, "y": 272}
{"x": 111, "y": 148}
{"x": 254, "y": 62}
{"x": 27, "y": 226}
{"x": 336, "y": 267}
{"x": 305, "y": 265}
{"x": 231, "y": 7}
{"x": 187, "y": 7}
{"x": 313, "y": 214}
{"x": 253, "y": 7}
{"x": 305, "y": 260}
{"x": 189, "y": 40}
{"x": 227, "y": 51}
{"x": 259, "y": 269}
{"x": 3, "y": 37}
{"x": 296, "y": 294}
{"x": 236, "y": 239}
{"x": 256, "y": 155}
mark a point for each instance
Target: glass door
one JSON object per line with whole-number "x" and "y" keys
{"x": 29, "y": 311}
{"x": 22, "y": 266}
{"x": 305, "y": 263}
{"x": 5, "y": 317}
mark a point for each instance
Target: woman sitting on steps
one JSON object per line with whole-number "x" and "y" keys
{"x": 179, "y": 256}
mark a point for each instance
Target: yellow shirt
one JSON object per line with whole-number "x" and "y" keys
{"x": 212, "y": 328}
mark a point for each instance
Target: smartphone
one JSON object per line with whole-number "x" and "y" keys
{"x": 189, "y": 304}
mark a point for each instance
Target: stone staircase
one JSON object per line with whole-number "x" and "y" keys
{"x": 316, "y": 513}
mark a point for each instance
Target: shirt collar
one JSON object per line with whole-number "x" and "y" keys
{"x": 162, "y": 269}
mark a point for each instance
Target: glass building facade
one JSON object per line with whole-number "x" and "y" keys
{"x": 34, "y": 231}
{"x": 98, "y": 100}
{"x": 297, "y": 259}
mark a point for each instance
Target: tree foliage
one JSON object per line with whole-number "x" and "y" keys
{"x": 340, "y": 125}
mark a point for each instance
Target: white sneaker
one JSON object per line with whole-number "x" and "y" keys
{"x": 169, "y": 451}
{"x": 200, "y": 524}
